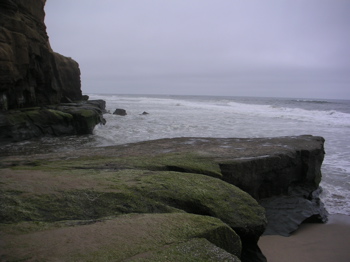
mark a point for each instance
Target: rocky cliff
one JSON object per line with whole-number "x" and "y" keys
{"x": 175, "y": 199}
{"x": 33, "y": 76}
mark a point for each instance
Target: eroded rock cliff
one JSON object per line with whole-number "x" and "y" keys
{"x": 31, "y": 74}
{"x": 34, "y": 80}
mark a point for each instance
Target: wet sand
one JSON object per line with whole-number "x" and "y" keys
{"x": 312, "y": 242}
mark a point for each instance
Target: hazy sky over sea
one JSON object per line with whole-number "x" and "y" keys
{"x": 278, "y": 48}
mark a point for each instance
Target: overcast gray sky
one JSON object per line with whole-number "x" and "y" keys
{"x": 278, "y": 48}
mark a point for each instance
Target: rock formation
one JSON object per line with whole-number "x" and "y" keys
{"x": 285, "y": 181}
{"x": 55, "y": 120}
{"x": 31, "y": 74}
{"x": 183, "y": 198}
{"x": 120, "y": 112}
{"x": 179, "y": 185}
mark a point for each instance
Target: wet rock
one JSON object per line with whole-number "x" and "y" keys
{"x": 120, "y": 112}
{"x": 99, "y": 103}
{"x": 85, "y": 97}
{"x": 58, "y": 120}
{"x": 287, "y": 212}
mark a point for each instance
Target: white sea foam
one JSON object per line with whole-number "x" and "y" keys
{"x": 335, "y": 198}
{"x": 330, "y": 117}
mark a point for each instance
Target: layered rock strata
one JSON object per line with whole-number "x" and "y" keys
{"x": 285, "y": 181}
{"x": 34, "y": 79}
{"x": 180, "y": 185}
{"x": 31, "y": 74}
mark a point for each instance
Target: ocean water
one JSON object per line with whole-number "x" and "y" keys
{"x": 206, "y": 116}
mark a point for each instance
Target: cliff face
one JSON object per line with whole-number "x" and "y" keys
{"x": 34, "y": 80}
{"x": 31, "y": 74}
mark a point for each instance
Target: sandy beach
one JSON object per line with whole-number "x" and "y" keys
{"x": 312, "y": 242}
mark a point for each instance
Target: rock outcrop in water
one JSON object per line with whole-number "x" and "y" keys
{"x": 32, "y": 75}
{"x": 168, "y": 199}
{"x": 120, "y": 112}
{"x": 56, "y": 120}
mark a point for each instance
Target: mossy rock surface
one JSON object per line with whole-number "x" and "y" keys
{"x": 133, "y": 237}
{"x": 128, "y": 191}
{"x": 180, "y": 176}
{"x": 53, "y": 120}
{"x": 194, "y": 250}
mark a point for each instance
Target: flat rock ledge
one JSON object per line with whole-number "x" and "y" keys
{"x": 180, "y": 199}
{"x": 51, "y": 120}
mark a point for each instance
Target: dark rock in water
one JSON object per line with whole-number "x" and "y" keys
{"x": 86, "y": 115}
{"x": 120, "y": 112}
{"x": 58, "y": 120}
{"x": 145, "y": 113}
{"x": 31, "y": 74}
{"x": 85, "y": 98}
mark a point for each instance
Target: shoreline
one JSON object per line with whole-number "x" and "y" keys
{"x": 311, "y": 242}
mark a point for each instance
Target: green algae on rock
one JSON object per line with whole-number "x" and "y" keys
{"x": 21, "y": 124}
{"x": 169, "y": 176}
{"x": 138, "y": 237}
{"x": 49, "y": 191}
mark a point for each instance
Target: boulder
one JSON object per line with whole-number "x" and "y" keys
{"x": 120, "y": 112}
{"x": 85, "y": 97}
